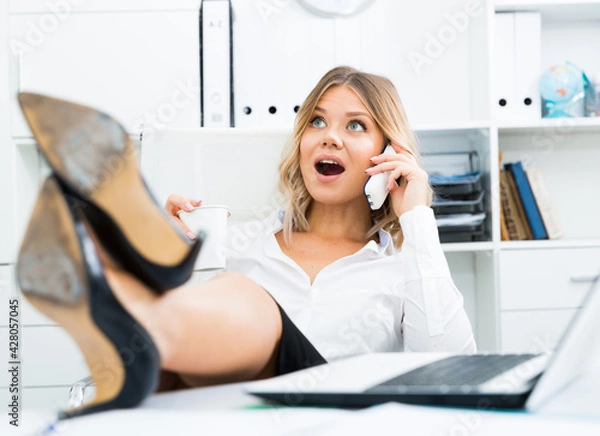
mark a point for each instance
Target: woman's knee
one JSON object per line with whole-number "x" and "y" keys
{"x": 233, "y": 281}
{"x": 249, "y": 305}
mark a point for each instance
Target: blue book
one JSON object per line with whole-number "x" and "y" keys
{"x": 529, "y": 205}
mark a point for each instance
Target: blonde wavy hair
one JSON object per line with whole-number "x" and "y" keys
{"x": 381, "y": 99}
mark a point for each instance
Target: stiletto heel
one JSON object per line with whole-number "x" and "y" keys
{"x": 60, "y": 274}
{"x": 95, "y": 161}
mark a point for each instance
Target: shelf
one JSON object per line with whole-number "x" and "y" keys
{"x": 560, "y": 125}
{"x": 420, "y": 128}
{"x": 547, "y": 244}
{"x": 444, "y": 128}
{"x": 452, "y": 127}
{"x": 520, "y": 245}
{"x": 456, "y": 247}
{"x": 554, "y": 10}
{"x": 23, "y": 141}
{"x": 17, "y": 7}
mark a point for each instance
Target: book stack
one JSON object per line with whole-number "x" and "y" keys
{"x": 527, "y": 209}
{"x": 458, "y": 201}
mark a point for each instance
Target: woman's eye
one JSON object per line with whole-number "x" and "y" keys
{"x": 318, "y": 122}
{"x": 356, "y": 126}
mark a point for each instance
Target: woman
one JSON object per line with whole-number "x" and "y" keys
{"x": 328, "y": 278}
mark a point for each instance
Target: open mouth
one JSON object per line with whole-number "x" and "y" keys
{"x": 329, "y": 167}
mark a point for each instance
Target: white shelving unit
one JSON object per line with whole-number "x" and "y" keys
{"x": 129, "y": 56}
{"x": 541, "y": 283}
{"x": 557, "y": 126}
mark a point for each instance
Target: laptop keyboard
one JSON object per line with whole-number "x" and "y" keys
{"x": 470, "y": 370}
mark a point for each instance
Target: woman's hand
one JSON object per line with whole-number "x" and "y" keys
{"x": 176, "y": 203}
{"x": 413, "y": 189}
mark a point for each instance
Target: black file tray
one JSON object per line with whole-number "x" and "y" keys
{"x": 465, "y": 184}
{"x": 451, "y": 163}
{"x": 468, "y": 233}
{"x": 471, "y": 203}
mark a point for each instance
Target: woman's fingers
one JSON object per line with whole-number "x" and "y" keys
{"x": 409, "y": 173}
{"x": 191, "y": 235}
{"x": 176, "y": 203}
{"x": 386, "y": 167}
{"x": 407, "y": 181}
{"x": 401, "y": 149}
{"x": 389, "y": 162}
{"x": 398, "y": 166}
{"x": 381, "y": 168}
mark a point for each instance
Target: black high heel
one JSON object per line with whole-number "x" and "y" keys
{"x": 96, "y": 162}
{"x": 59, "y": 273}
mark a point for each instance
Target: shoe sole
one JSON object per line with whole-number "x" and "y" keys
{"x": 52, "y": 275}
{"x": 93, "y": 155}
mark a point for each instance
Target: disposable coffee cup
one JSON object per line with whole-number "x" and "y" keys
{"x": 212, "y": 221}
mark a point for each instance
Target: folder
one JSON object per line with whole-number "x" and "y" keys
{"x": 503, "y": 189}
{"x": 516, "y": 222}
{"x": 216, "y": 64}
{"x": 532, "y": 212}
{"x": 544, "y": 202}
{"x": 504, "y": 97}
{"x": 508, "y": 225}
{"x": 528, "y": 29}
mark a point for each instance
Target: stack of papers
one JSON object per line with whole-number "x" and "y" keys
{"x": 460, "y": 219}
{"x": 471, "y": 177}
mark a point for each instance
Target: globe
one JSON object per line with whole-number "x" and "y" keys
{"x": 562, "y": 88}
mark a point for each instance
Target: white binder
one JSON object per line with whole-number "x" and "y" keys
{"x": 505, "y": 66}
{"x": 280, "y": 52}
{"x": 518, "y": 63}
{"x": 216, "y": 63}
{"x": 528, "y": 28}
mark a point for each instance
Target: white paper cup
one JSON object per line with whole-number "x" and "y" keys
{"x": 212, "y": 220}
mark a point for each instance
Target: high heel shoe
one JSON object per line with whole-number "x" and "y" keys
{"x": 95, "y": 161}
{"x": 59, "y": 272}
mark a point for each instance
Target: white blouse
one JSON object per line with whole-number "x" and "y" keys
{"x": 378, "y": 299}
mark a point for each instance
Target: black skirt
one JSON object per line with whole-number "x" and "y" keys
{"x": 295, "y": 350}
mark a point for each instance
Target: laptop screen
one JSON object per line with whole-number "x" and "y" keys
{"x": 576, "y": 352}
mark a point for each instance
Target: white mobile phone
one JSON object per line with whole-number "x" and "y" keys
{"x": 376, "y": 189}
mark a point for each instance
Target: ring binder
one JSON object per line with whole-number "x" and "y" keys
{"x": 216, "y": 64}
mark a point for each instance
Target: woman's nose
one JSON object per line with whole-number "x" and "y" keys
{"x": 332, "y": 139}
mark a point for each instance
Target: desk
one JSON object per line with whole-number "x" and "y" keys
{"x": 227, "y": 410}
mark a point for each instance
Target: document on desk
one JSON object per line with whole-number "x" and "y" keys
{"x": 395, "y": 418}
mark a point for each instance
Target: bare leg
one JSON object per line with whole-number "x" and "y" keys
{"x": 224, "y": 330}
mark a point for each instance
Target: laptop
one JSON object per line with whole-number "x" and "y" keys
{"x": 507, "y": 381}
